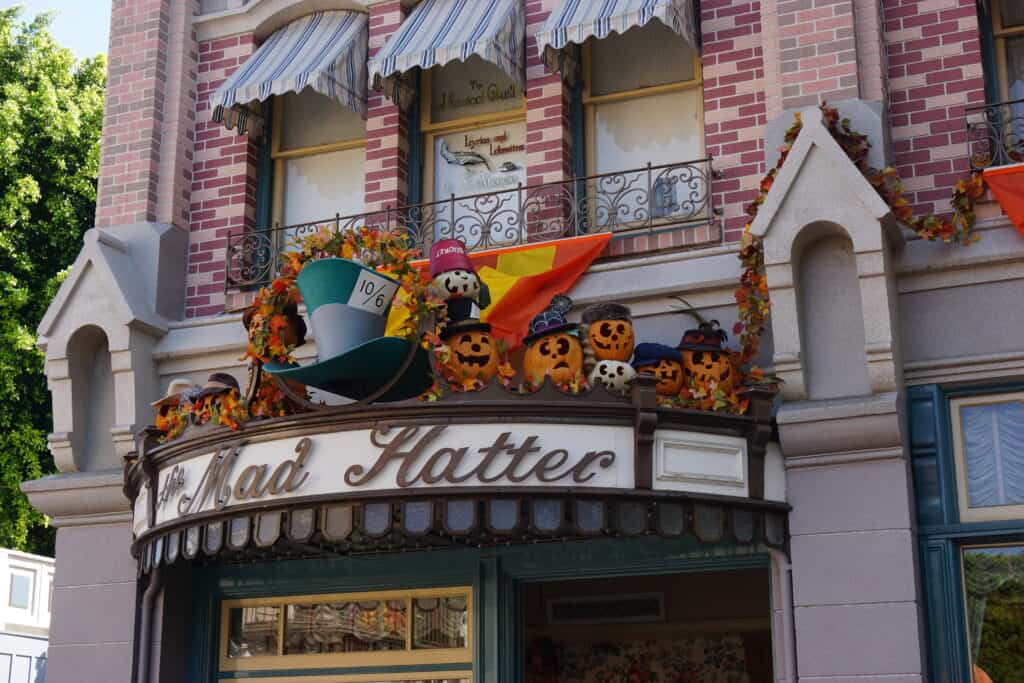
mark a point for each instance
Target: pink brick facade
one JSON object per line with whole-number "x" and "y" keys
{"x": 935, "y": 70}
{"x": 164, "y": 160}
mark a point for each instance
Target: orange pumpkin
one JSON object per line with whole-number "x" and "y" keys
{"x": 474, "y": 355}
{"x": 709, "y": 366}
{"x": 558, "y": 355}
{"x": 669, "y": 374}
{"x": 611, "y": 339}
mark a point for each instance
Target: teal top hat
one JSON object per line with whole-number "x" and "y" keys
{"x": 348, "y": 307}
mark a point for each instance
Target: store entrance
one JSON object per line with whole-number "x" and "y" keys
{"x": 673, "y": 628}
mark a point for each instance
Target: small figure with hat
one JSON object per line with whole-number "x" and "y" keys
{"x": 663, "y": 362}
{"x": 169, "y": 408}
{"x": 453, "y": 274}
{"x": 553, "y": 347}
{"x": 472, "y": 351}
{"x": 706, "y": 361}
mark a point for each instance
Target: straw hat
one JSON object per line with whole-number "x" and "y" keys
{"x": 175, "y": 389}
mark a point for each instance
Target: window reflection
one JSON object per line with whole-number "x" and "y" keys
{"x": 365, "y": 626}
{"x": 252, "y": 631}
{"x": 994, "y": 587}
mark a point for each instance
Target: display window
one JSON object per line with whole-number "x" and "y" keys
{"x": 473, "y": 121}
{"x": 318, "y": 153}
{"x": 402, "y": 635}
{"x": 642, "y": 105}
{"x": 988, "y": 448}
{"x": 993, "y": 580}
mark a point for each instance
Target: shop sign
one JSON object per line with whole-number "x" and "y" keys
{"x": 395, "y": 458}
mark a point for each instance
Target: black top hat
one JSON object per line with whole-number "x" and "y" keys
{"x": 551, "y": 320}
{"x": 605, "y": 311}
{"x": 707, "y": 337}
{"x": 463, "y": 316}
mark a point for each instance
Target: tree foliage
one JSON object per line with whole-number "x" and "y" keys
{"x": 51, "y": 108}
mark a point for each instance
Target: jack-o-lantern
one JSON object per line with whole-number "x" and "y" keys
{"x": 705, "y": 360}
{"x": 614, "y": 375}
{"x": 664, "y": 363}
{"x": 558, "y": 356}
{"x": 473, "y": 353}
{"x": 552, "y": 348}
{"x": 609, "y": 331}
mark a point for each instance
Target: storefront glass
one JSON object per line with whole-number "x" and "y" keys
{"x": 994, "y": 596}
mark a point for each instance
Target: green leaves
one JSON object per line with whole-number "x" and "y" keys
{"x": 51, "y": 113}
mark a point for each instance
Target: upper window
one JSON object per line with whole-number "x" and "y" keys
{"x": 1008, "y": 27}
{"x": 414, "y": 633}
{"x": 642, "y": 105}
{"x": 318, "y": 151}
{"x": 473, "y": 120}
{"x": 988, "y": 441}
{"x": 20, "y": 594}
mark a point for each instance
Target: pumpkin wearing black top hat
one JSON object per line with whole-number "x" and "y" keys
{"x": 553, "y": 347}
{"x": 609, "y": 331}
{"x": 706, "y": 360}
{"x": 473, "y": 353}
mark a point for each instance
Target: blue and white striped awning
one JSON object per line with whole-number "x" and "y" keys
{"x": 576, "y": 20}
{"x": 442, "y": 31}
{"x": 325, "y": 51}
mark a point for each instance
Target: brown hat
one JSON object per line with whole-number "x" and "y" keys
{"x": 175, "y": 389}
{"x": 218, "y": 383}
{"x": 604, "y": 311}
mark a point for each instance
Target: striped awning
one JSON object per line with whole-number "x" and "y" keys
{"x": 325, "y": 51}
{"x": 576, "y": 20}
{"x": 442, "y": 31}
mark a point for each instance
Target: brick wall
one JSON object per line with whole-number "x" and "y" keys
{"x": 817, "y": 51}
{"x": 734, "y": 104}
{"x": 548, "y": 140}
{"x": 387, "y": 141}
{"x": 223, "y": 196}
{"x": 935, "y": 70}
{"x": 133, "y": 113}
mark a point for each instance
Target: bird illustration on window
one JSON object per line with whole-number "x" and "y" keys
{"x": 462, "y": 158}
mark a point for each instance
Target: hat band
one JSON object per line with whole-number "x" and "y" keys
{"x": 338, "y": 328}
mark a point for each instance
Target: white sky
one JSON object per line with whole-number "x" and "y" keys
{"x": 81, "y": 25}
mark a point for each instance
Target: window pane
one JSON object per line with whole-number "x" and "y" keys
{"x": 994, "y": 585}
{"x": 440, "y": 623}
{"x": 322, "y": 185}
{"x": 993, "y": 444}
{"x": 641, "y": 57}
{"x": 1015, "y": 71}
{"x": 660, "y": 129}
{"x": 1012, "y": 12}
{"x": 252, "y": 631}
{"x": 366, "y": 626}
{"x": 474, "y": 162}
{"x": 21, "y": 591}
{"x": 471, "y": 88}
{"x": 309, "y": 119}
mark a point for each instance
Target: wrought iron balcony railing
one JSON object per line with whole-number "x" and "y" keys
{"x": 632, "y": 201}
{"x": 995, "y": 134}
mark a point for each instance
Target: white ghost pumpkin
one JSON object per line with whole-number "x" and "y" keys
{"x": 613, "y": 374}
{"x": 456, "y": 284}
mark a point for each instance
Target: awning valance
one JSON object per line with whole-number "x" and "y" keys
{"x": 325, "y": 51}
{"x": 442, "y": 31}
{"x": 576, "y": 20}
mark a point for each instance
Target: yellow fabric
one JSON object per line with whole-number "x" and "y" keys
{"x": 498, "y": 283}
{"x": 522, "y": 262}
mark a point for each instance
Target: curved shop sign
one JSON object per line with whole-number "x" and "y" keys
{"x": 401, "y": 458}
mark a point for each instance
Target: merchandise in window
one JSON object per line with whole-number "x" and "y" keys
{"x": 994, "y": 601}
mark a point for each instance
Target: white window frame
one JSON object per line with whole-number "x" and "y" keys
{"x": 968, "y": 513}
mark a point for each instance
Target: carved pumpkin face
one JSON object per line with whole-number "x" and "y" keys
{"x": 611, "y": 339}
{"x": 669, "y": 374}
{"x": 474, "y": 355}
{"x": 614, "y": 375}
{"x": 559, "y": 356}
{"x": 457, "y": 284}
{"x": 709, "y": 366}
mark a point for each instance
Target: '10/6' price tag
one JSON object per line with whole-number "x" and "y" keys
{"x": 372, "y": 292}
